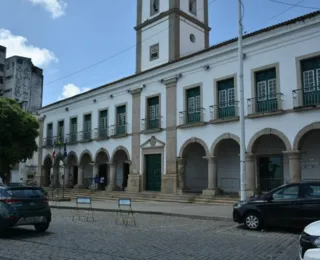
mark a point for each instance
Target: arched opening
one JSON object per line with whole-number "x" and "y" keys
{"x": 309, "y": 145}
{"x": 47, "y": 165}
{"x": 102, "y": 160}
{"x": 272, "y": 168}
{"x": 120, "y": 158}
{"x": 86, "y": 165}
{"x": 228, "y": 165}
{"x": 72, "y": 176}
{"x": 195, "y": 168}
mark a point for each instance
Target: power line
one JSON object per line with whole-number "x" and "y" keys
{"x": 301, "y": 6}
{"x": 281, "y": 13}
{"x": 116, "y": 54}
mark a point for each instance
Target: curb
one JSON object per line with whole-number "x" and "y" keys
{"x": 150, "y": 213}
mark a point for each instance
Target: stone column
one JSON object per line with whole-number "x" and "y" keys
{"x": 294, "y": 165}
{"x": 134, "y": 177}
{"x": 80, "y": 184}
{"x": 181, "y": 174}
{"x": 250, "y": 175}
{"x": 112, "y": 185}
{"x": 39, "y": 176}
{"x": 170, "y": 179}
{"x": 212, "y": 176}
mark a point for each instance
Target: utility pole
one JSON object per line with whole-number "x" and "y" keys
{"x": 242, "y": 122}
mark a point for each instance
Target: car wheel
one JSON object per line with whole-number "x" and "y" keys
{"x": 253, "y": 221}
{"x": 41, "y": 227}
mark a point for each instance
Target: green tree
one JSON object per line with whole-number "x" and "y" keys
{"x": 18, "y": 133}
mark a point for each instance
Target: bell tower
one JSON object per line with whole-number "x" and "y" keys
{"x": 167, "y": 30}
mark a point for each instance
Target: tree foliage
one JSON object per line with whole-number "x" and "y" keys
{"x": 18, "y": 133}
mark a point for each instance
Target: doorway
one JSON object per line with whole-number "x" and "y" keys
{"x": 103, "y": 173}
{"x": 153, "y": 172}
{"x": 270, "y": 172}
{"x": 75, "y": 175}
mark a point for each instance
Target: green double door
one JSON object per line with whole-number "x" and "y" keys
{"x": 153, "y": 172}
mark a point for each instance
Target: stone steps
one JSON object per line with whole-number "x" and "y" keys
{"x": 146, "y": 196}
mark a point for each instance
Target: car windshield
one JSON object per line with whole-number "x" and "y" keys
{"x": 25, "y": 193}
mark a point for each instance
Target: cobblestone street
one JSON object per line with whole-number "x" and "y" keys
{"x": 154, "y": 237}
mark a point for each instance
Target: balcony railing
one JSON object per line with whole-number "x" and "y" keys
{"x": 72, "y": 138}
{"x": 309, "y": 98}
{"x": 265, "y": 104}
{"x": 59, "y": 140}
{"x": 229, "y": 111}
{"x": 196, "y": 116}
{"x": 48, "y": 141}
{"x": 85, "y": 136}
{"x": 152, "y": 123}
{"x": 118, "y": 130}
{"x": 102, "y": 133}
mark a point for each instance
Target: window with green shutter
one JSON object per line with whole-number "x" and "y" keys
{"x": 226, "y": 98}
{"x": 121, "y": 120}
{"x": 103, "y": 123}
{"x": 60, "y": 132}
{"x": 73, "y": 129}
{"x": 87, "y": 127}
{"x": 49, "y": 134}
{"x": 153, "y": 113}
{"x": 311, "y": 81}
{"x": 266, "y": 90}
{"x": 193, "y": 105}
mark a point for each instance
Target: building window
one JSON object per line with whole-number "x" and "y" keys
{"x": 153, "y": 115}
{"x": 8, "y": 66}
{"x": 1, "y": 67}
{"x": 1, "y": 80}
{"x": 60, "y": 132}
{"x": 19, "y": 61}
{"x": 226, "y": 98}
{"x": 103, "y": 123}
{"x": 193, "y": 6}
{"x": 121, "y": 120}
{"x": 311, "y": 81}
{"x": 87, "y": 127}
{"x": 73, "y": 129}
{"x": 266, "y": 90}
{"x": 154, "y": 7}
{"x": 193, "y": 113}
{"x": 49, "y": 134}
{"x": 154, "y": 52}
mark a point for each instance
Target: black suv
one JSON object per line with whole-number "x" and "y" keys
{"x": 24, "y": 206}
{"x": 290, "y": 205}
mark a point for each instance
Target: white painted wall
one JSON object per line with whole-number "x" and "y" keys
{"x": 184, "y": 6}
{"x": 186, "y": 46}
{"x": 163, "y": 7}
{"x": 153, "y": 34}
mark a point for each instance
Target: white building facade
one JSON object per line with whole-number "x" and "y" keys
{"x": 173, "y": 127}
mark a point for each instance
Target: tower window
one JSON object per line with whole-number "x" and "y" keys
{"x": 154, "y": 52}
{"x": 154, "y": 7}
{"x": 193, "y": 6}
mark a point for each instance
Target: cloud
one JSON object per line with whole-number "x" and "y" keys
{"x": 71, "y": 90}
{"x": 55, "y": 7}
{"x": 18, "y": 45}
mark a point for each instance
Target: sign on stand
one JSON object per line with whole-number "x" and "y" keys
{"x": 80, "y": 202}
{"x": 122, "y": 216}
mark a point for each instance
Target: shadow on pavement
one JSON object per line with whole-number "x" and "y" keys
{"x": 21, "y": 233}
{"x": 289, "y": 230}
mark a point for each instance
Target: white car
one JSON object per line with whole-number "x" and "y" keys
{"x": 309, "y": 240}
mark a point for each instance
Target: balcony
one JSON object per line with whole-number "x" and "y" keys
{"x": 72, "y": 138}
{"x": 49, "y": 141}
{"x": 118, "y": 130}
{"x": 85, "y": 136}
{"x": 265, "y": 105}
{"x": 151, "y": 124}
{"x": 59, "y": 140}
{"x": 306, "y": 99}
{"x": 102, "y": 133}
{"x": 187, "y": 118}
{"x": 228, "y": 112}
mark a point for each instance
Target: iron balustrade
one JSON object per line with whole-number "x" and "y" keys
{"x": 265, "y": 104}
{"x": 115, "y": 130}
{"x": 151, "y": 123}
{"x": 102, "y": 133}
{"x": 306, "y": 97}
{"x": 224, "y": 111}
{"x": 191, "y": 117}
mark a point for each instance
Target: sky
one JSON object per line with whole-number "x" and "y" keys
{"x": 83, "y": 44}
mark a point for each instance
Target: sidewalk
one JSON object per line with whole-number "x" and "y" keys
{"x": 196, "y": 211}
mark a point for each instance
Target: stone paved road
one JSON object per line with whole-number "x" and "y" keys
{"x": 154, "y": 237}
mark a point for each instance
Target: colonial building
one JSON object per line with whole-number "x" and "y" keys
{"x": 174, "y": 125}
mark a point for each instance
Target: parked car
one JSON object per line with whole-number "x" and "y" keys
{"x": 309, "y": 242}
{"x": 24, "y": 206}
{"x": 290, "y": 205}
